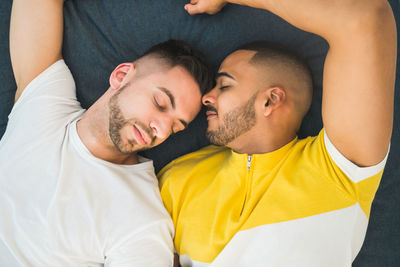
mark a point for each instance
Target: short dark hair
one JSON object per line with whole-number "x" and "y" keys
{"x": 270, "y": 50}
{"x": 179, "y": 53}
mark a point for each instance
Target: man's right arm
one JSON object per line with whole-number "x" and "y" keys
{"x": 36, "y": 31}
{"x": 359, "y": 70}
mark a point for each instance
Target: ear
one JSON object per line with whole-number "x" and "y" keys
{"x": 273, "y": 98}
{"x": 119, "y": 73}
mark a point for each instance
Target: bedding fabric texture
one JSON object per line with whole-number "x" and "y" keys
{"x": 100, "y": 34}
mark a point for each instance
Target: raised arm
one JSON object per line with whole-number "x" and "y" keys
{"x": 359, "y": 71}
{"x": 36, "y": 31}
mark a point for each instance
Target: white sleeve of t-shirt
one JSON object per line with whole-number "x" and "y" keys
{"x": 148, "y": 247}
{"x": 354, "y": 172}
{"x": 47, "y": 102}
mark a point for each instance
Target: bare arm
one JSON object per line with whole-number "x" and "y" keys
{"x": 359, "y": 71}
{"x": 36, "y": 31}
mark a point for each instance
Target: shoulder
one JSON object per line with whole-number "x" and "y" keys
{"x": 58, "y": 70}
{"x": 320, "y": 153}
{"x": 308, "y": 146}
{"x": 205, "y": 156}
{"x": 56, "y": 81}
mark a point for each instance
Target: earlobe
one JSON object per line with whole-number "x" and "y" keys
{"x": 118, "y": 75}
{"x": 267, "y": 109}
{"x": 266, "y": 102}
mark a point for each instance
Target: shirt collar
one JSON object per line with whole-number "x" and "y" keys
{"x": 266, "y": 161}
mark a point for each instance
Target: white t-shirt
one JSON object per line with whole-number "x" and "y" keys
{"x": 60, "y": 205}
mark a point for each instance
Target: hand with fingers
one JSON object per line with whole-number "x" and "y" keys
{"x": 210, "y": 7}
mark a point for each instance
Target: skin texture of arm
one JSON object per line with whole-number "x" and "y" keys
{"x": 359, "y": 71}
{"x": 36, "y": 31}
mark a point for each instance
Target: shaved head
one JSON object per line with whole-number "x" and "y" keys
{"x": 278, "y": 66}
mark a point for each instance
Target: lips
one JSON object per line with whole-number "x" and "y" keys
{"x": 211, "y": 112}
{"x": 140, "y": 136}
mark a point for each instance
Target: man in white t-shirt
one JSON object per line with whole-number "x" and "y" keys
{"x": 73, "y": 191}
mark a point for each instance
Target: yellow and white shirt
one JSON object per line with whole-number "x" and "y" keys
{"x": 304, "y": 204}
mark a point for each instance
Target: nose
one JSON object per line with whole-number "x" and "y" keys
{"x": 161, "y": 125}
{"x": 210, "y": 97}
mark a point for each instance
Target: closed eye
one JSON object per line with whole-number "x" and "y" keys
{"x": 158, "y": 105}
{"x": 222, "y": 88}
{"x": 179, "y": 126}
{"x": 174, "y": 130}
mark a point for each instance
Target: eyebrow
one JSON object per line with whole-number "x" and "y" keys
{"x": 224, "y": 74}
{"x": 172, "y": 99}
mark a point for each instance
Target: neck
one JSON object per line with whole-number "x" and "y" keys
{"x": 93, "y": 132}
{"x": 261, "y": 141}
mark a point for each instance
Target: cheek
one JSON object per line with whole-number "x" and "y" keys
{"x": 193, "y": 110}
{"x": 225, "y": 104}
{"x": 127, "y": 131}
{"x": 139, "y": 107}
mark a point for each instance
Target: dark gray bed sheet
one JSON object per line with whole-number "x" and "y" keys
{"x": 100, "y": 34}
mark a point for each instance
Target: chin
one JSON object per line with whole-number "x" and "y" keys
{"x": 127, "y": 148}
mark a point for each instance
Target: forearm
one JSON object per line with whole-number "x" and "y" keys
{"x": 325, "y": 18}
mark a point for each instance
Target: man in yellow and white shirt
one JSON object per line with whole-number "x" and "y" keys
{"x": 263, "y": 197}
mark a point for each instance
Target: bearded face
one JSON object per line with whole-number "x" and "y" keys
{"x": 123, "y": 132}
{"x": 234, "y": 123}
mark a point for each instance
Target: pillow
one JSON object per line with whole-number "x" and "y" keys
{"x": 100, "y": 34}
